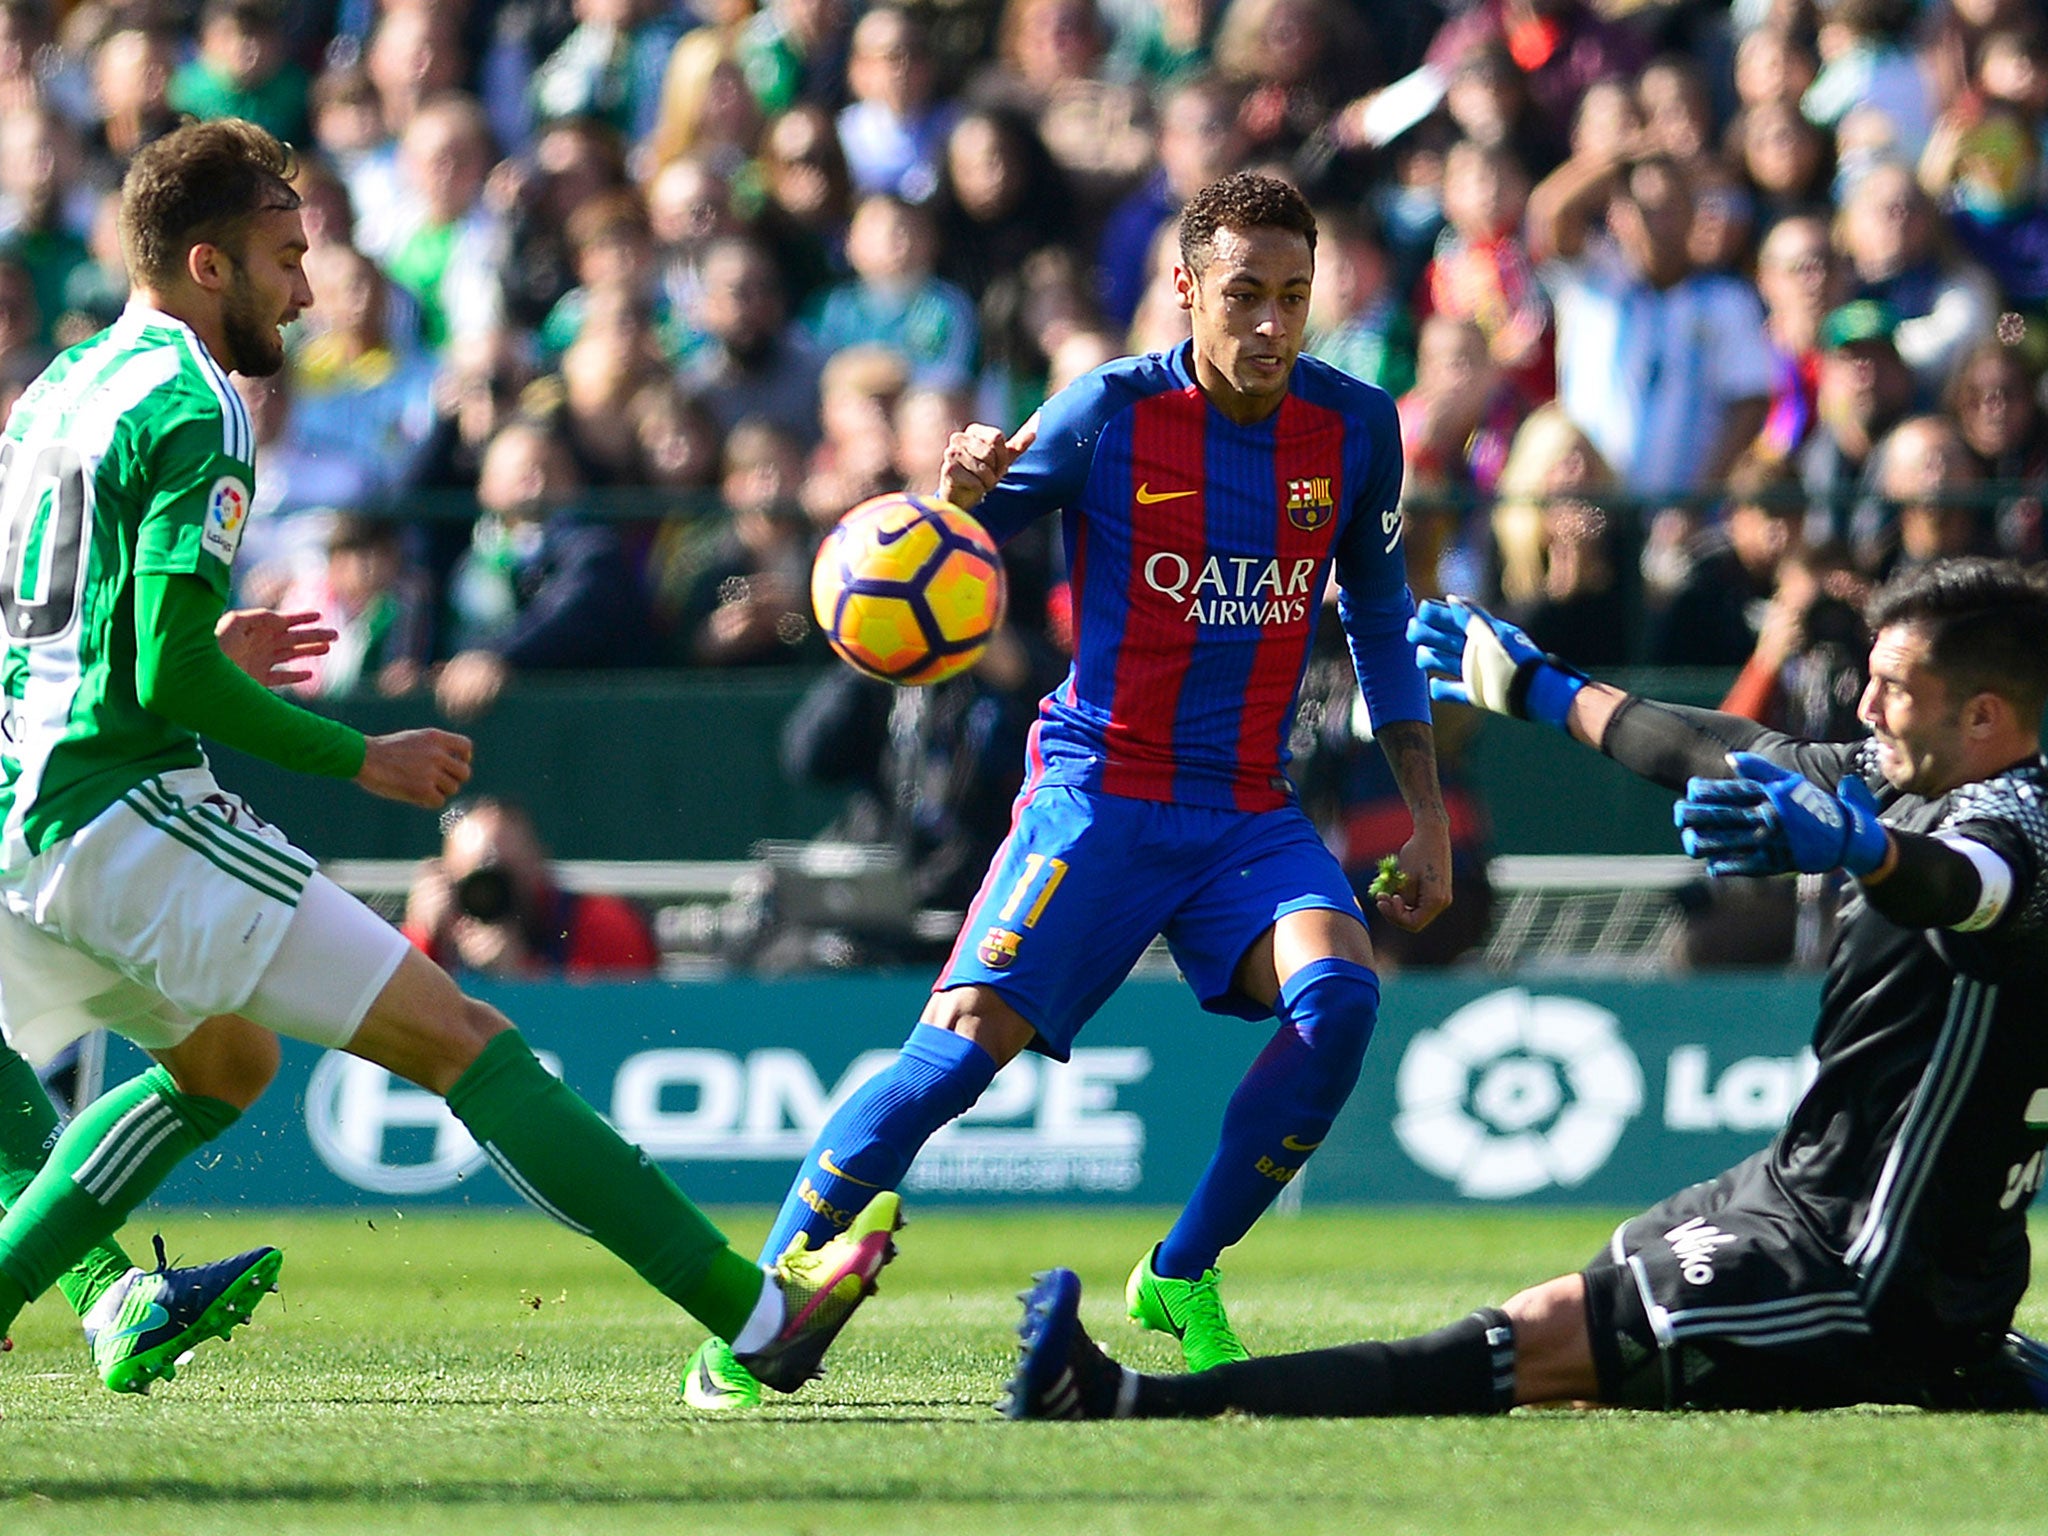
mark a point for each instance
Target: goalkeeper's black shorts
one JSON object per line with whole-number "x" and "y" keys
{"x": 1721, "y": 1297}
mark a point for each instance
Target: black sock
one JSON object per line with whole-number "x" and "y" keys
{"x": 1467, "y": 1368}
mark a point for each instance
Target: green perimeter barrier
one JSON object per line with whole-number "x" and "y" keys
{"x": 1548, "y": 1090}
{"x": 684, "y": 766}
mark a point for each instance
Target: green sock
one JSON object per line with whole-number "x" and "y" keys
{"x": 28, "y": 1130}
{"x": 556, "y": 1151}
{"x": 109, "y": 1158}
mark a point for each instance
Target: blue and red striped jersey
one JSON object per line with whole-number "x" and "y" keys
{"x": 1199, "y": 551}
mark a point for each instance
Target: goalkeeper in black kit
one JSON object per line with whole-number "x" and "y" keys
{"x": 1875, "y": 1251}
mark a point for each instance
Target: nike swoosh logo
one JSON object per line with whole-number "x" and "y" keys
{"x": 153, "y": 1316}
{"x": 1298, "y": 1146}
{"x": 1147, "y": 497}
{"x": 825, "y": 1162}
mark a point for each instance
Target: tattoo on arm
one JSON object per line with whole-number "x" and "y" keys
{"x": 1410, "y": 747}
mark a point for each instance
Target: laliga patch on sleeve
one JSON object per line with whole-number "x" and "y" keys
{"x": 227, "y": 513}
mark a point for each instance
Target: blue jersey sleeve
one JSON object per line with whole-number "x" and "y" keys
{"x": 1050, "y": 473}
{"x": 1373, "y": 599}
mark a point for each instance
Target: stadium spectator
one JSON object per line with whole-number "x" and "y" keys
{"x": 355, "y": 384}
{"x": 1481, "y": 270}
{"x": 1786, "y": 162}
{"x": 303, "y": 479}
{"x": 689, "y": 205}
{"x": 414, "y": 55}
{"x": 23, "y": 352}
{"x": 491, "y": 902}
{"x": 1460, "y": 419}
{"x": 1357, "y": 321}
{"x": 1864, "y": 390}
{"x": 44, "y": 207}
{"x": 1161, "y": 43}
{"x": 1732, "y": 570}
{"x": 856, "y": 457}
{"x": 895, "y": 298}
{"x": 754, "y": 361}
{"x": 448, "y": 249}
{"x": 1049, "y": 68}
{"x": 1678, "y": 117}
{"x": 1297, "y": 62}
{"x": 96, "y": 291}
{"x": 1800, "y": 281}
{"x": 541, "y": 587}
{"x": 807, "y": 202}
{"x": 1487, "y": 100}
{"x": 1925, "y": 478}
{"x": 1560, "y": 573}
{"x": 1892, "y": 236}
{"x": 794, "y": 51}
{"x": 244, "y": 68}
{"x": 1994, "y": 402}
{"x": 609, "y": 67}
{"x": 706, "y": 110}
{"x": 617, "y": 353}
{"x": 747, "y": 597}
{"x": 1001, "y": 197}
{"x": 1563, "y": 47}
{"x": 611, "y": 244}
{"x": 1806, "y": 673}
{"x": 1867, "y": 74}
{"x": 1983, "y": 167}
{"x": 1663, "y": 366}
{"x": 894, "y": 130}
{"x": 536, "y": 194}
{"x": 1199, "y": 140}
{"x": 131, "y": 77}
{"x": 380, "y": 608}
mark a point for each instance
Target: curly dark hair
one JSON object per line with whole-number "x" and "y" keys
{"x": 1241, "y": 202}
{"x": 201, "y": 183}
{"x": 1986, "y": 624}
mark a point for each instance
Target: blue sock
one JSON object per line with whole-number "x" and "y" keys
{"x": 1281, "y": 1111}
{"x": 868, "y": 1144}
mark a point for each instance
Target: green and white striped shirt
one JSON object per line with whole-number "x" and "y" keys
{"x": 130, "y": 455}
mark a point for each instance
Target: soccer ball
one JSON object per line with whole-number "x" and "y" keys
{"x": 908, "y": 589}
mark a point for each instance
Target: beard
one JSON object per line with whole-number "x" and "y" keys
{"x": 254, "y": 348}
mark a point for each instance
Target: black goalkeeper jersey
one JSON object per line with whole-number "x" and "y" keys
{"x": 1917, "y": 1149}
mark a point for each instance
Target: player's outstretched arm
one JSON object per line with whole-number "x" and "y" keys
{"x": 1472, "y": 657}
{"x": 422, "y": 767}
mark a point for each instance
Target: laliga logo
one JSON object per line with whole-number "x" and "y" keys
{"x": 1514, "y": 1093}
{"x": 382, "y": 1134}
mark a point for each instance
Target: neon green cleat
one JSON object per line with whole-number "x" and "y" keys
{"x": 1190, "y": 1310}
{"x": 715, "y": 1381}
{"x": 143, "y": 1328}
{"x": 821, "y": 1289}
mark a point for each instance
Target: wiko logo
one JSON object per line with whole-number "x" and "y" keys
{"x": 1694, "y": 1242}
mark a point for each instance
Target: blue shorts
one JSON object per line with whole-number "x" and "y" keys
{"x": 1086, "y": 881}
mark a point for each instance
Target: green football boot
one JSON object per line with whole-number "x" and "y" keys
{"x": 715, "y": 1381}
{"x": 142, "y": 1329}
{"x": 1190, "y": 1310}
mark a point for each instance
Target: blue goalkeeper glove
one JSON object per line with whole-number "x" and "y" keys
{"x": 1471, "y": 657}
{"x": 1772, "y": 821}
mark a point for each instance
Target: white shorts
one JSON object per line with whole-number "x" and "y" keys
{"x": 175, "y": 904}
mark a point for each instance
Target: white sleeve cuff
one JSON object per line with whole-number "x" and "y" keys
{"x": 1994, "y": 884}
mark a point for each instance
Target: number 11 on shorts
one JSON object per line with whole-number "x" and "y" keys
{"x": 1035, "y": 865}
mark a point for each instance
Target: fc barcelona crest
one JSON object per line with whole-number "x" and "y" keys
{"x": 1310, "y": 502}
{"x": 998, "y": 948}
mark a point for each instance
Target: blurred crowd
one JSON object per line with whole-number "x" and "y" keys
{"x": 1702, "y": 316}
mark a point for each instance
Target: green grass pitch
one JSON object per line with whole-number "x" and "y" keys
{"x": 449, "y": 1375}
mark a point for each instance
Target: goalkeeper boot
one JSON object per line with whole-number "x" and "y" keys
{"x": 1061, "y": 1372}
{"x": 715, "y": 1381}
{"x": 2028, "y": 1361}
{"x": 1190, "y": 1310}
{"x": 146, "y": 1325}
{"x": 821, "y": 1288}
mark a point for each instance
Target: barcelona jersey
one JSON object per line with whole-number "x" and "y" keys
{"x": 1199, "y": 551}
